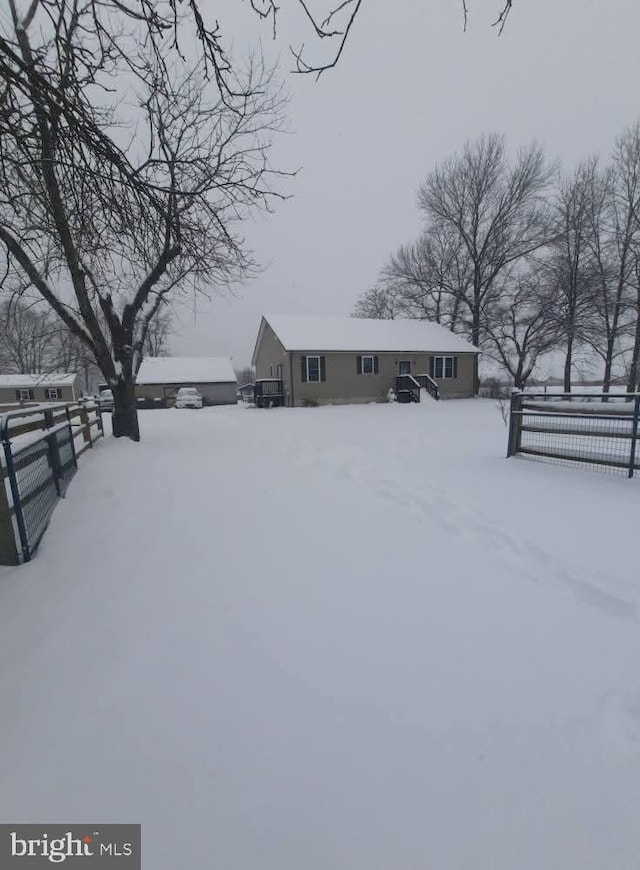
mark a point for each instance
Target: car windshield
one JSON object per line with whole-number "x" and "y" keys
{"x": 106, "y": 394}
{"x": 188, "y": 391}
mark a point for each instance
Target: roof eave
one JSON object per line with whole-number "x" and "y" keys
{"x": 470, "y": 349}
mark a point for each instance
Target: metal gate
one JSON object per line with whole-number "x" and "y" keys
{"x": 593, "y": 430}
{"x": 38, "y": 474}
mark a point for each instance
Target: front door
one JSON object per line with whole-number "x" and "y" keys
{"x": 404, "y": 367}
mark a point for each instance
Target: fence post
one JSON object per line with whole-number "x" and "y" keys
{"x": 71, "y": 441}
{"x": 15, "y": 496}
{"x": 515, "y": 423}
{"x": 54, "y": 459}
{"x": 86, "y": 426}
{"x": 634, "y": 436}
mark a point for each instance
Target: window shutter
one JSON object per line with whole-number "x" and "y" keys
{"x": 323, "y": 369}
{"x": 359, "y": 364}
{"x": 455, "y": 366}
{"x": 18, "y": 395}
{"x": 303, "y": 371}
{"x": 375, "y": 365}
{"x": 431, "y": 366}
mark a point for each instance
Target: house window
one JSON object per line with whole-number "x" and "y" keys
{"x": 367, "y": 365}
{"x": 24, "y": 395}
{"x": 313, "y": 368}
{"x": 444, "y": 367}
{"x": 53, "y": 393}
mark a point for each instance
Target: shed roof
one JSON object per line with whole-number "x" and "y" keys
{"x": 49, "y": 379}
{"x": 186, "y": 370}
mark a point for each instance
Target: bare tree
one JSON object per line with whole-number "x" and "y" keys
{"x": 26, "y": 337}
{"x": 633, "y": 360}
{"x": 609, "y": 241}
{"x": 520, "y": 328}
{"x": 159, "y": 331}
{"x": 571, "y": 267}
{"x": 624, "y": 294}
{"x": 378, "y": 303}
{"x": 70, "y": 354}
{"x": 432, "y": 277}
{"x": 614, "y": 238}
{"x": 106, "y": 239}
{"x": 495, "y": 207}
{"x": 245, "y": 376}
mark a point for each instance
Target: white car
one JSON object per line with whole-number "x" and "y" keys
{"x": 105, "y": 400}
{"x": 188, "y": 397}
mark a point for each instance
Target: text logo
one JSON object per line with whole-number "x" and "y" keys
{"x": 37, "y": 846}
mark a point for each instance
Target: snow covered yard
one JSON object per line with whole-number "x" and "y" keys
{"x": 343, "y": 638}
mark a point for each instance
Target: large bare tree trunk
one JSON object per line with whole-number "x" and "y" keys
{"x": 634, "y": 366}
{"x": 611, "y": 336}
{"x": 520, "y": 378}
{"x": 568, "y": 365}
{"x": 608, "y": 365}
{"x": 125, "y": 412}
{"x": 475, "y": 340}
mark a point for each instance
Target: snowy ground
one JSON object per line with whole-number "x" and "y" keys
{"x": 348, "y": 638}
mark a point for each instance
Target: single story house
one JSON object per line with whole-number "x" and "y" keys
{"x": 334, "y": 360}
{"x": 50, "y": 387}
{"x": 160, "y": 377}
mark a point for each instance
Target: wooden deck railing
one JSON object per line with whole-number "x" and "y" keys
{"x": 268, "y": 393}
{"x": 407, "y": 389}
{"x": 427, "y": 383}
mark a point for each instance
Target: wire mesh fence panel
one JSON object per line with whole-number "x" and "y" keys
{"x": 37, "y": 489}
{"x": 598, "y": 436}
{"x": 39, "y": 456}
{"x": 61, "y": 442}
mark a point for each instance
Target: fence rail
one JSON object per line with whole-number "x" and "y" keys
{"x": 40, "y": 449}
{"x": 592, "y": 430}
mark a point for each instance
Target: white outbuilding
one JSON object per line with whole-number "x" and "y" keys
{"x": 160, "y": 377}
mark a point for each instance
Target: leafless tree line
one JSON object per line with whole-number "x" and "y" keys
{"x": 524, "y": 260}
{"x": 34, "y": 341}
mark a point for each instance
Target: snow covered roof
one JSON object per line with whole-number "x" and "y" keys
{"x": 186, "y": 370}
{"x": 51, "y": 379}
{"x": 361, "y": 334}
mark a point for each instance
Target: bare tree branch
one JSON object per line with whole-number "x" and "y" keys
{"x": 501, "y": 20}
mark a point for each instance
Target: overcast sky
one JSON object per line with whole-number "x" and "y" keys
{"x": 410, "y": 89}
